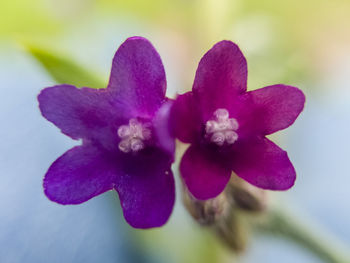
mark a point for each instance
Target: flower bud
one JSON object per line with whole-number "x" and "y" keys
{"x": 234, "y": 231}
{"x": 245, "y": 195}
{"x": 206, "y": 212}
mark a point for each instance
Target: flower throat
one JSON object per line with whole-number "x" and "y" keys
{"x": 221, "y": 129}
{"x": 133, "y": 136}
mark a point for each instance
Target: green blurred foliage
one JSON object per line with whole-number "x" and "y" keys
{"x": 64, "y": 70}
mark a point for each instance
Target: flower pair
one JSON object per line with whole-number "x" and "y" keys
{"x": 128, "y": 132}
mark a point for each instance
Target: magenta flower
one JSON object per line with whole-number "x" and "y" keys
{"x": 226, "y": 126}
{"x": 126, "y": 141}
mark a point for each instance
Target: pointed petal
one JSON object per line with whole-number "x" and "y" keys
{"x": 147, "y": 189}
{"x": 83, "y": 113}
{"x": 78, "y": 175}
{"x": 263, "y": 164}
{"x": 186, "y": 118}
{"x": 138, "y": 77}
{"x": 220, "y": 77}
{"x": 204, "y": 172}
{"x": 270, "y": 109}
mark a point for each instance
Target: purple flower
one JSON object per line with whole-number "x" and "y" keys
{"x": 126, "y": 141}
{"x": 226, "y": 126}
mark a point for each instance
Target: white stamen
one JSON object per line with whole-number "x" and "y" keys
{"x": 222, "y": 128}
{"x": 136, "y": 145}
{"x": 133, "y": 136}
{"x": 124, "y": 146}
{"x": 211, "y": 126}
{"x": 221, "y": 114}
{"x": 233, "y": 124}
{"x": 124, "y": 131}
{"x": 218, "y": 138}
{"x": 231, "y": 137}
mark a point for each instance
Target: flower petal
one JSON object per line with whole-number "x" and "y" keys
{"x": 78, "y": 175}
{"x": 220, "y": 77}
{"x": 162, "y": 125}
{"x": 147, "y": 189}
{"x": 204, "y": 172}
{"x": 271, "y": 109}
{"x": 185, "y": 118}
{"x": 83, "y": 113}
{"x": 263, "y": 164}
{"x": 138, "y": 77}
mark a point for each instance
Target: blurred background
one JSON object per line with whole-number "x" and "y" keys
{"x": 300, "y": 43}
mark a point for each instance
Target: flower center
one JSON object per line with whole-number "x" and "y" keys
{"x": 221, "y": 128}
{"x": 133, "y": 136}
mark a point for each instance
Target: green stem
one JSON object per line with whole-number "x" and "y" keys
{"x": 285, "y": 224}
